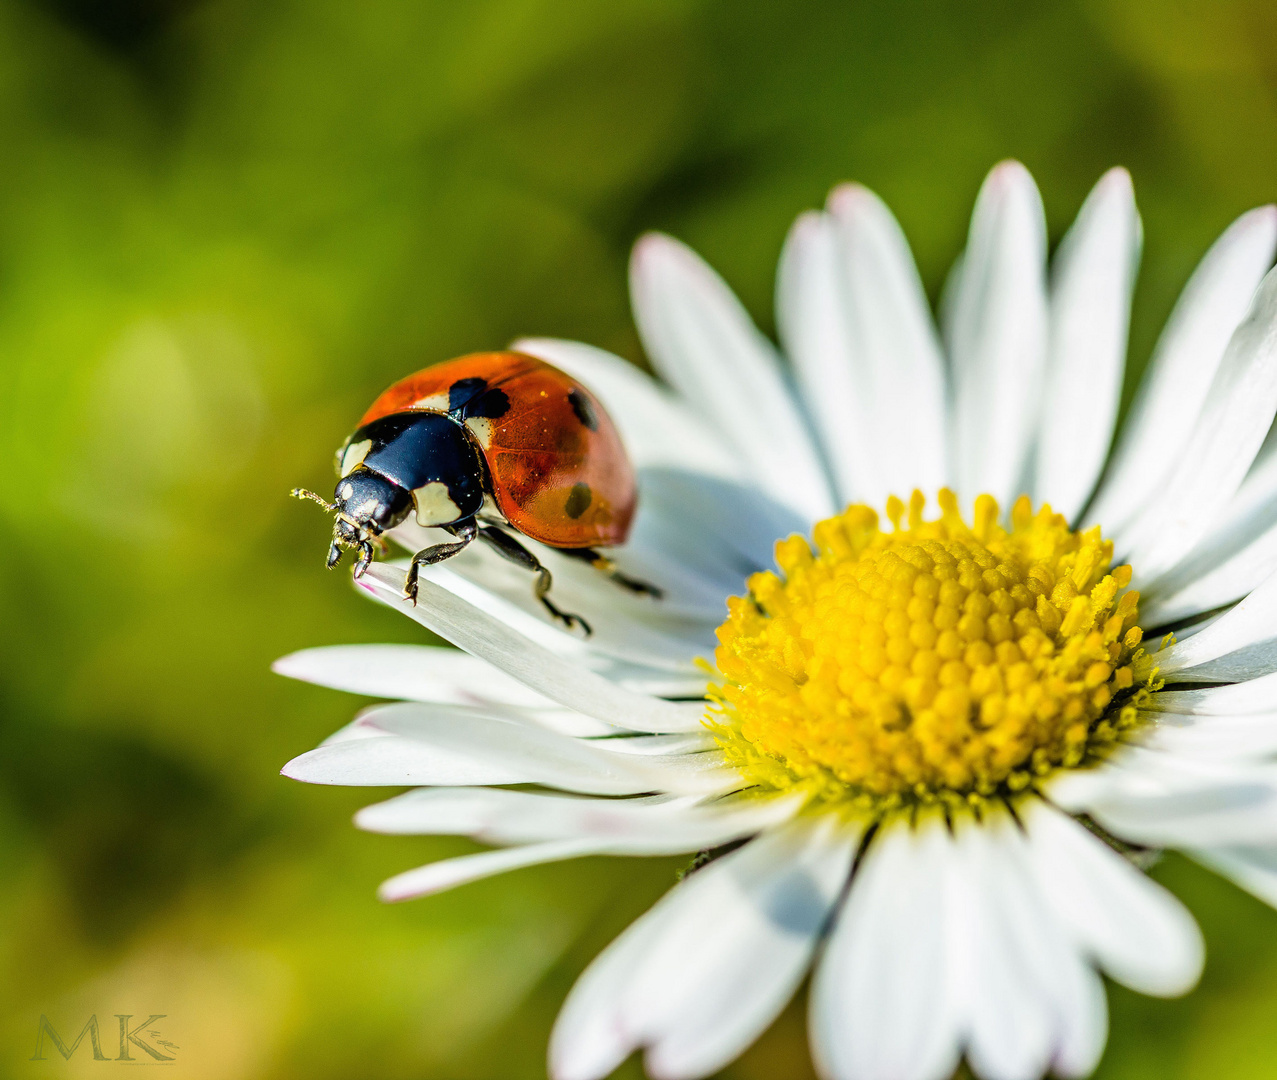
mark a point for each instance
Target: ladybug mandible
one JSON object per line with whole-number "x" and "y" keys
{"x": 483, "y": 446}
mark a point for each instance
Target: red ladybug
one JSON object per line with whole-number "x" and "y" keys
{"x": 481, "y": 446}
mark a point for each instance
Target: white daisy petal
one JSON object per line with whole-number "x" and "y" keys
{"x": 1214, "y": 737}
{"x": 1081, "y": 1015}
{"x": 854, "y": 317}
{"x": 546, "y": 757}
{"x": 1237, "y": 555}
{"x": 1009, "y": 1031}
{"x": 1253, "y": 696}
{"x": 1185, "y": 361}
{"x": 996, "y": 332}
{"x": 652, "y": 825}
{"x": 786, "y": 881}
{"x": 696, "y": 537}
{"x": 632, "y": 635}
{"x": 503, "y": 816}
{"x": 589, "y": 1040}
{"x": 1234, "y": 420}
{"x": 677, "y": 837}
{"x": 390, "y": 761}
{"x": 447, "y": 676}
{"x": 692, "y": 994}
{"x": 882, "y": 1005}
{"x": 1244, "y": 812}
{"x": 812, "y": 321}
{"x": 1239, "y": 644}
{"x": 1227, "y": 580}
{"x": 691, "y": 742}
{"x": 1093, "y": 275}
{"x": 1136, "y": 931}
{"x": 703, "y": 342}
{"x": 722, "y": 530}
{"x": 628, "y": 631}
{"x": 447, "y": 874}
{"x": 1032, "y": 1001}
{"x": 897, "y": 341}
{"x": 536, "y": 667}
{"x": 656, "y": 426}
{"x": 1162, "y": 799}
{"x": 409, "y": 672}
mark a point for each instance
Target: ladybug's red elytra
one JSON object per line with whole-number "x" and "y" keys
{"x": 483, "y": 446}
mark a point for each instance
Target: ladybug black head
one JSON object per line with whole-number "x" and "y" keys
{"x": 368, "y": 502}
{"x": 411, "y": 460}
{"x": 365, "y": 505}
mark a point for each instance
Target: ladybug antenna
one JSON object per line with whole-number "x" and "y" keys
{"x": 302, "y": 493}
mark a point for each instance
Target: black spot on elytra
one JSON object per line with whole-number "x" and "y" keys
{"x": 464, "y": 390}
{"x": 578, "y": 500}
{"x": 584, "y": 409}
{"x": 490, "y": 404}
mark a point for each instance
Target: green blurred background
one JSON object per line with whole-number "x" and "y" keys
{"x": 224, "y": 225}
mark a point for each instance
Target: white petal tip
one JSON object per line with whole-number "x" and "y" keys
{"x": 655, "y": 246}
{"x": 807, "y": 224}
{"x": 1117, "y": 179}
{"x": 846, "y": 199}
{"x": 364, "y": 820}
{"x": 1009, "y": 171}
{"x": 1262, "y": 217}
{"x": 290, "y": 666}
{"x": 297, "y": 770}
{"x": 1178, "y": 982}
{"x": 411, "y": 886}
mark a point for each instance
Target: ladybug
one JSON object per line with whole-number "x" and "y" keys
{"x": 484, "y": 447}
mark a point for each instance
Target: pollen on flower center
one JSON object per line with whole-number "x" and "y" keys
{"x": 936, "y": 660}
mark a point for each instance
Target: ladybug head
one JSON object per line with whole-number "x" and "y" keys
{"x": 411, "y": 461}
{"x": 365, "y": 505}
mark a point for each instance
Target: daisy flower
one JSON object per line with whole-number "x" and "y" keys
{"x": 937, "y": 747}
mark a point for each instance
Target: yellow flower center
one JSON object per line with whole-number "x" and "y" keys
{"x": 937, "y": 661}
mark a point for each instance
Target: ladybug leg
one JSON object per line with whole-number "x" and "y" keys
{"x": 606, "y": 566}
{"x": 508, "y": 547}
{"x": 464, "y": 532}
{"x": 365, "y": 558}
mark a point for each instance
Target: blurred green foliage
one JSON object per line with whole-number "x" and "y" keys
{"x": 224, "y": 225}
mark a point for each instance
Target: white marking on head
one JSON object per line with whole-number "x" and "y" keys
{"x": 354, "y": 455}
{"x": 481, "y": 428}
{"x": 435, "y": 505}
{"x": 347, "y": 490}
{"x": 435, "y": 402}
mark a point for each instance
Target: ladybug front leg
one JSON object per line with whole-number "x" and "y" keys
{"x": 465, "y": 532}
{"x": 508, "y": 547}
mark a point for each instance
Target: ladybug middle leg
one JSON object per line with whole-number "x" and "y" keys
{"x": 464, "y": 532}
{"x": 508, "y": 547}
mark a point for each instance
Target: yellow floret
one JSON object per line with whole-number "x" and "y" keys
{"x": 934, "y": 661}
